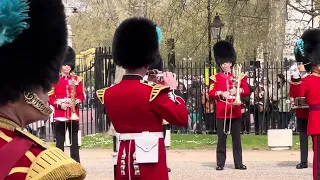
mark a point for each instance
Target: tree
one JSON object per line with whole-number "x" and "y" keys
{"x": 183, "y": 20}
{"x": 276, "y": 30}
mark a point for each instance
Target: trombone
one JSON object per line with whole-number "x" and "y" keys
{"x": 236, "y": 70}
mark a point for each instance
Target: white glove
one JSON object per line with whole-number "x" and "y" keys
{"x": 294, "y": 71}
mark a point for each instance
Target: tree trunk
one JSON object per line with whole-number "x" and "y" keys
{"x": 276, "y": 30}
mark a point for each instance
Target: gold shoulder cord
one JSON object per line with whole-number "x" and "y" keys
{"x": 51, "y": 92}
{"x": 100, "y": 94}
{"x": 156, "y": 89}
{"x": 51, "y": 163}
{"x": 243, "y": 76}
{"x": 148, "y": 83}
{"x": 79, "y": 78}
{"x": 213, "y": 78}
{"x": 7, "y": 124}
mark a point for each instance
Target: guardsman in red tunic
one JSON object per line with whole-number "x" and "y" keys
{"x": 24, "y": 96}
{"x": 309, "y": 87}
{"x": 65, "y": 97}
{"x": 159, "y": 80}
{"x": 137, "y": 107}
{"x": 223, "y": 89}
{"x": 302, "y": 113}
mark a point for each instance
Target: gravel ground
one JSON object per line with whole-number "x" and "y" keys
{"x": 200, "y": 164}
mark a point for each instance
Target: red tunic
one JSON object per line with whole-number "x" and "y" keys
{"x": 25, "y": 161}
{"x": 309, "y": 87}
{"x": 62, "y": 92}
{"x": 222, "y": 82}
{"x": 54, "y": 164}
{"x": 135, "y": 106}
{"x": 164, "y": 122}
{"x": 301, "y": 113}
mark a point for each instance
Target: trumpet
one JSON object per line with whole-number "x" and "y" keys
{"x": 236, "y": 70}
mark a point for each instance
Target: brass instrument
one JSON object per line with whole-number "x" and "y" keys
{"x": 73, "y": 102}
{"x": 236, "y": 70}
{"x": 237, "y": 78}
{"x": 74, "y": 115}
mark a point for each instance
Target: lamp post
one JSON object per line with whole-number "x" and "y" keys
{"x": 216, "y": 27}
{"x": 214, "y": 31}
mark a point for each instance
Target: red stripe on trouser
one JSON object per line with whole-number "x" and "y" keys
{"x": 315, "y": 156}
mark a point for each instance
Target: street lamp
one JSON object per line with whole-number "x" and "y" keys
{"x": 214, "y": 31}
{"x": 216, "y": 27}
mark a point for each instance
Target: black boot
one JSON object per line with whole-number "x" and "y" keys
{"x": 241, "y": 167}
{"x": 219, "y": 168}
{"x": 302, "y": 165}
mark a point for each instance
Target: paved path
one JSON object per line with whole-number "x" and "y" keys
{"x": 200, "y": 164}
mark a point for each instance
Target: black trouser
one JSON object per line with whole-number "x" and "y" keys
{"x": 302, "y": 128}
{"x": 209, "y": 119}
{"x": 53, "y": 127}
{"x": 283, "y": 120}
{"x": 164, "y": 130}
{"x": 222, "y": 141}
{"x": 165, "y": 127}
{"x": 42, "y": 132}
{"x": 246, "y": 121}
{"x": 73, "y": 128}
{"x": 261, "y": 121}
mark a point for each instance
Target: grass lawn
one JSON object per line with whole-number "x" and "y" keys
{"x": 192, "y": 141}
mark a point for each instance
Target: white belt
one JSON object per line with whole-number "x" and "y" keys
{"x": 132, "y": 136}
{"x": 62, "y": 100}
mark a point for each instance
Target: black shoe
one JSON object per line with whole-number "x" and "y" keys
{"x": 219, "y": 168}
{"x": 241, "y": 167}
{"x": 169, "y": 170}
{"x": 302, "y": 165}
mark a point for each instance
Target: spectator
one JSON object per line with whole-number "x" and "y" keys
{"x": 183, "y": 90}
{"x": 209, "y": 114}
{"x": 194, "y": 108}
{"x": 245, "y": 115}
{"x": 283, "y": 101}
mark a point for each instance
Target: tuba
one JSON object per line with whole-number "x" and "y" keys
{"x": 236, "y": 70}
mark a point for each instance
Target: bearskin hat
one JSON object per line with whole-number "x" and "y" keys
{"x": 33, "y": 40}
{"x": 158, "y": 64}
{"x": 135, "y": 43}
{"x": 70, "y": 58}
{"x": 224, "y": 52}
{"x": 307, "y": 49}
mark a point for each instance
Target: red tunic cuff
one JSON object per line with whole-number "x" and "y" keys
{"x": 295, "y": 83}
